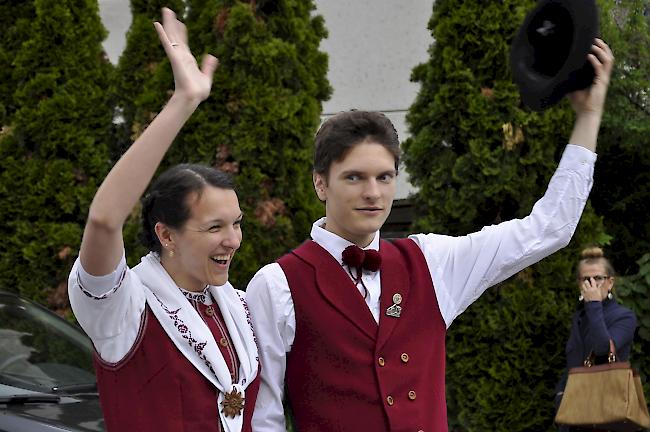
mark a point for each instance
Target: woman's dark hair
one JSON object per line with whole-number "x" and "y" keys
{"x": 594, "y": 255}
{"x": 166, "y": 201}
{"x": 338, "y": 134}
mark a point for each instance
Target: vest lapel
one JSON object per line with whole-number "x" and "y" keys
{"x": 395, "y": 279}
{"x": 337, "y": 288}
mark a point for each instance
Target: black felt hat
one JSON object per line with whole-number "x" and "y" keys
{"x": 548, "y": 56}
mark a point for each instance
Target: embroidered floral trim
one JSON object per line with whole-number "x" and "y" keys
{"x": 106, "y": 294}
{"x": 248, "y": 318}
{"x": 187, "y": 334}
{"x": 201, "y": 297}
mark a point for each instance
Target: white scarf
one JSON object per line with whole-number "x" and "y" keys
{"x": 193, "y": 338}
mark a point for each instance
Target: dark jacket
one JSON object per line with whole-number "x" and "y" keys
{"x": 594, "y": 324}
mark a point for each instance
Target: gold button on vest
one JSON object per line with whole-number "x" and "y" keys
{"x": 389, "y": 400}
{"x": 381, "y": 361}
{"x": 405, "y": 358}
{"x": 412, "y": 395}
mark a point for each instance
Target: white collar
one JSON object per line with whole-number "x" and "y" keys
{"x": 333, "y": 243}
{"x": 193, "y": 338}
{"x": 204, "y": 297}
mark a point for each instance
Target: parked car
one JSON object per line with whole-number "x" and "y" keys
{"x": 47, "y": 380}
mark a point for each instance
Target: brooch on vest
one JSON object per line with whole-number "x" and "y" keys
{"x": 233, "y": 403}
{"x": 395, "y": 310}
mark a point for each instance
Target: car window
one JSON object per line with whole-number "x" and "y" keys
{"x": 39, "y": 350}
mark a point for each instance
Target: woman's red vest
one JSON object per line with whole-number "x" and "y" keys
{"x": 155, "y": 388}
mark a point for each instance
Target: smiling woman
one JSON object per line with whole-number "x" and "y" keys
{"x": 191, "y": 219}
{"x": 155, "y": 327}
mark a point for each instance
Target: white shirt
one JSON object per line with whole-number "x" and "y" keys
{"x": 461, "y": 269}
{"x": 109, "y": 308}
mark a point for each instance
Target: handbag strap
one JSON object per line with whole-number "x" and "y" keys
{"x": 611, "y": 357}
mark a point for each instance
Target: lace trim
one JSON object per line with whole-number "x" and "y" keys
{"x": 248, "y": 318}
{"x": 203, "y": 297}
{"x": 106, "y": 294}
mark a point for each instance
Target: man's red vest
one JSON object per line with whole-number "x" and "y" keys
{"x": 155, "y": 388}
{"x": 345, "y": 372}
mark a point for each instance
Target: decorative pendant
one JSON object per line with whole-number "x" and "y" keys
{"x": 395, "y": 310}
{"x": 233, "y": 403}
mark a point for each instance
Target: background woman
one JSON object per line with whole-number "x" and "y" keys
{"x": 599, "y": 318}
{"x": 175, "y": 349}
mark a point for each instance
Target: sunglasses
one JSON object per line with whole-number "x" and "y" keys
{"x": 597, "y": 278}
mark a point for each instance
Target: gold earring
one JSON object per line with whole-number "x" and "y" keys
{"x": 171, "y": 253}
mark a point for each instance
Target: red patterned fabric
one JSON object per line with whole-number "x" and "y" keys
{"x": 155, "y": 388}
{"x": 345, "y": 372}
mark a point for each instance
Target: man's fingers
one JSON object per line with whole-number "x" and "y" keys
{"x": 603, "y": 53}
{"x": 601, "y": 44}
{"x": 598, "y": 66}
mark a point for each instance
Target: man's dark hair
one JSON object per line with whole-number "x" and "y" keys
{"x": 167, "y": 199}
{"x": 338, "y": 134}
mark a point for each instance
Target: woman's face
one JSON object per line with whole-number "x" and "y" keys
{"x": 205, "y": 245}
{"x": 596, "y": 275}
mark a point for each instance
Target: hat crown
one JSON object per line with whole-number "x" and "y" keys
{"x": 550, "y": 35}
{"x": 549, "y": 53}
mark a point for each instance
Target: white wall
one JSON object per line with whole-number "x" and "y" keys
{"x": 116, "y": 16}
{"x": 373, "y": 45}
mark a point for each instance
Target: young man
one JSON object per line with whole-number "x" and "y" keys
{"x": 359, "y": 334}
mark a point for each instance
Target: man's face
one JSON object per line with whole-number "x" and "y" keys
{"x": 358, "y": 192}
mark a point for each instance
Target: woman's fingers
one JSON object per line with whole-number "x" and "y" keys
{"x": 171, "y": 32}
{"x": 162, "y": 35}
{"x": 209, "y": 64}
{"x": 169, "y": 25}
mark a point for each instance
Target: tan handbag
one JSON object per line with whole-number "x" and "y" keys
{"x": 604, "y": 397}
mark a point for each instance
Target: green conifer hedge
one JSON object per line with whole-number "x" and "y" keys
{"x": 622, "y": 188}
{"x": 14, "y": 21}
{"x": 54, "y": 151}
{"x": 634, "y": 291}
{"x": 478, "y": 158}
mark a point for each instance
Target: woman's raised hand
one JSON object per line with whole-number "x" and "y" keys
{"x": 189, "y": 81}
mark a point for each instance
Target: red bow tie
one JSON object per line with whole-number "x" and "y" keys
{"x": 355, "y": 257}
